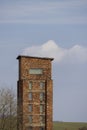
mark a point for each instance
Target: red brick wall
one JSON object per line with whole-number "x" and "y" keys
{"x": 25, "y": 63}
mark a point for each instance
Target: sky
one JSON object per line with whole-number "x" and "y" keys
{"x": 56, "y": 29}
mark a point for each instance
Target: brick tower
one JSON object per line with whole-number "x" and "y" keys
{"x": 35, "y": 93}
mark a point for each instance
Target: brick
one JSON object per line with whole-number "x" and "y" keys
{"x": 38, "y": 119}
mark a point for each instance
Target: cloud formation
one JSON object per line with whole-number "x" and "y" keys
{"x": 75, "y": 54}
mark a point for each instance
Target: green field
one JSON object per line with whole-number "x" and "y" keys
{"x": 68, "y": 125}
{"x": 56, "y": 126}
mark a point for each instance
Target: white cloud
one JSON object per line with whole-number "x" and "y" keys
{"x": 75, "y": 54}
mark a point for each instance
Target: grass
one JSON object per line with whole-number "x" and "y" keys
{"x": 62, "y": 125}
{"x": 68, "y": 125}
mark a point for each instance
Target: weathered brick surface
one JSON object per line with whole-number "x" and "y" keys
{"x": 26, "y": 63}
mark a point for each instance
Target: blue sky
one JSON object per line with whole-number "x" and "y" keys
{"x": 52, "y": 28}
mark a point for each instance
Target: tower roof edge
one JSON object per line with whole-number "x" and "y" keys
{"x": 35, "y": 57}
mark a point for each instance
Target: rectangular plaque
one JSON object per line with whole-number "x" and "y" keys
{"x": 35, "y": 71}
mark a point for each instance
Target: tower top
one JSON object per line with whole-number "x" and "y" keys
{"x": 45, "y": 58}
